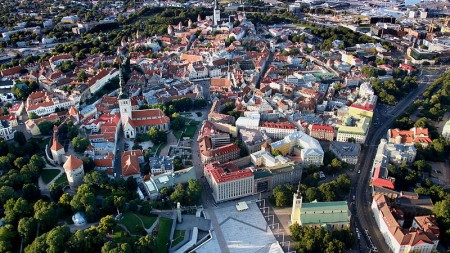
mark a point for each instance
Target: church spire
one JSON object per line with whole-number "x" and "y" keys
{"x": 122, "y": 93}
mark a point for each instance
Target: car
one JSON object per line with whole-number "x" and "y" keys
{"x": 359, "y": 171}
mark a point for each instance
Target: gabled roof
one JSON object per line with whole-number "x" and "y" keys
{"x": 130, "y": 163}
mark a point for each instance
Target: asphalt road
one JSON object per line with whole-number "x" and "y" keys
{"x": 364, "y": 217}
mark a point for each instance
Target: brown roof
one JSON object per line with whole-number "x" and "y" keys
{"x": 11, "y": 71}
{"x": 130, "y": 163}
{"x": 72, "y": 163}
{"x": 220, "y": 82}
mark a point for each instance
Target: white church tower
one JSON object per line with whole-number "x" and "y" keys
{"x": 124, "y": 101}
{"x": 216, "y": 13}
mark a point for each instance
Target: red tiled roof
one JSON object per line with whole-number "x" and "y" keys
{"x": 130, "y": 163}
{"x": 315, "y": 127}
{"x": 283, "y": 125}
{"x": 384, "y": 183}
{"x": 413, "y": 236}
{"x": 72, "y": 163}
{"x": 11, "y": 71}
{"x": 107, "y": 162}
{"x": 148, "y": 113}
{"x": 226, "y": 172}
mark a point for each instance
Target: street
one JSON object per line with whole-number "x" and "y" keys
{"x": 364, "y": 217}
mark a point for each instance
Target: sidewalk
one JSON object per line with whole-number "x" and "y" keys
{"x": 171, "y": 140}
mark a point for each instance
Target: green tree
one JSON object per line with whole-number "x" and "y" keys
{"x": 8, "y": 238}
{"x": 16, "y": 209}
{"x": 81, "y": 76}
{"x": 157, "y": 136}
{"x": 39, "y": 245}
{"x": 145, "y": 244}
{"x": 179, "y": 194}
{"x": 6, "y": 193}
{"x": 5, "y": 163}
{"x": 27, "y": 229}
{"x": 194, "y": 191}
{"x": 107, "y": 224}
{"x": 111, "y": 247}
{"x": 67, "y": 66}
{"x": 20, "y": 162}
{"x": 88, "y": 164}
{"x": 19, "y": 137}
{"x": 177, "y": 122}
{"x": 4, "y": 150}
{"x": 422, "y": 122}
{"x": 80, "y": 144}
{"x": 89, "y": 240}
{"x": 45, "y": 213}
{"x": 283, "y": 195}
{"x": 31, "y": 192}
{"x": 45, "y": 127}
{"x": 119, "y": 203}
{"x": 312, "y": 194}
{"x": 57, "y": 239}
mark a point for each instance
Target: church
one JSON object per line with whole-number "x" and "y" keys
{"x": 139, "y": 121}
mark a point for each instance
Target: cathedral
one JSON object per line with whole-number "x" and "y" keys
{"x": 139, "y": 121}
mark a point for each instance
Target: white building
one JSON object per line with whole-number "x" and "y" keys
{"x": 216, "y": 13}
{"x": 300, "y": 144}
{"x": 264, "y": 158}
{"x": 74, "y": 171}
{"x": 6, "y": 130}
{"x": 247, "y": 123}
{"x": 397, "y": 153}
{"x": 98, "y": 81}
{"x": 277, "y": 130}
{"x": 228, "y": 182}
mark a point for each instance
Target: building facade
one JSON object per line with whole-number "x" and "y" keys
{"x": 334, "y": 215}
{"x": 422, "y": 236}
{"x": 228, "y": 182}
{"x": 309, "y": 148}
{"x": 346, "y": 151}
{"x": 321, "y": 132}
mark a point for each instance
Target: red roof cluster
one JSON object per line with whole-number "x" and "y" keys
{"x": 414, "y": 135}
{"x": 381, "y": 182}
{"x": 283, "y": 125}
{"x": 316, "y": 127}
{"x": 226, "y": 172}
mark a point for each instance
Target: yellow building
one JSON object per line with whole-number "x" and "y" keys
{"x": 360, "y": 111}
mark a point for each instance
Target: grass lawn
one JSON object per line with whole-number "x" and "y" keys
{"x": 48, "y": 175}
{"x": 162, "y": 241}
{"x": 190, "y": 131}
{"x": 178, "y": 133}
{"x": 133, "y": 222}
{"x": 119, "y": 235}
{"x": 179, "y": 236}
{"x": 62, "y": 179}
{"x": 147, "y": 220}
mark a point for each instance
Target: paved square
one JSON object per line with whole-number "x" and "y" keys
{"x": 243, "y": 232}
